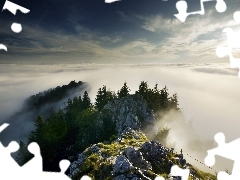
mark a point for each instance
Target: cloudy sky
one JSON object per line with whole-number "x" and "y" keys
{"x": 128, "y": 31}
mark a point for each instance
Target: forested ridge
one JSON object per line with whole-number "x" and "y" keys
{"x": 71, "y": 130}
{"x": 51, "y": 95}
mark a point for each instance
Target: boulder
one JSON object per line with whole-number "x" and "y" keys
{"x": 122, "y": 165}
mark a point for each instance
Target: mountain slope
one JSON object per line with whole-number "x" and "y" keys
{"x": 44, "y": 103}
{"x": 130, "y": 156}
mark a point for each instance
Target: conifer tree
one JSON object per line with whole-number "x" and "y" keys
{"x": 37, "y": 133}
{"x": 99, "y": 99}
{"x": 124, "y": 91}
{"x": 103, "y": 97}
{"x": 86, "y": 102}
{"x": 164, "y": 99}
{"x": 174, "y": 102}
{"x": 143, "y": 89}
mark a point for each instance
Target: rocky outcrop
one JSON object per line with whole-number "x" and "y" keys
{"x": 130, "y": 111}
{"x": 130, "y": 156}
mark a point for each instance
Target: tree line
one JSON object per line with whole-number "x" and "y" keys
{"x": 69, "y": 131}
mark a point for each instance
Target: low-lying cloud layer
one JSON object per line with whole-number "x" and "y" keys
{"x": 208, "y": 93}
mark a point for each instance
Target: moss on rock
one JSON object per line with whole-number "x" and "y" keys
{"x": 117, "y": 159}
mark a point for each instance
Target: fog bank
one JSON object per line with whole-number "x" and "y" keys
{"x": 208, "y": 93}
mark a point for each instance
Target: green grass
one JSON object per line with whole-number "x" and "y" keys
{"x": 98, "y": 168}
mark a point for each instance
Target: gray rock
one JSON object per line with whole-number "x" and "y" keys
{"x": 122, "y": 165}
{"x": 94, "y": 148}
{"x": 127, "y": 177}
{"x": 129, "y": 132}
{"x": 136, "y": 158}
{"x": 130, "y": 111}
{"x": 121, "y": 177}
{"x": 132, "y": 163}
{"x": 74, "y": 167}
{"x": 153, "y": 150}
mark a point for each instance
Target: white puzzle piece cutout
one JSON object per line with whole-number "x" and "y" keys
{"x": 159, "y": 178}
{"x": 177, "y": 171}
{"x": 33, "y": 169}
{"x": 182, "y": 9}
{"x": 85, "y": 178}
{"x": 3, "y": 126}
{"x": 111, "y": 1}
{"x": 16, "y": 27}
{"x": 227, "y": 150}
{"x": 3, "y": 47}
{"x": 12, "y": 7}
{"x": 233, "y": 40}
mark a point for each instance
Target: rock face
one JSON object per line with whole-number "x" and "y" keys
{"x": 130, "y": 156}
{"x": 122, "y": 165}
{"x": 130, "y": 111}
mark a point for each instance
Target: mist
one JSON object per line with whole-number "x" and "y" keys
{"x": 22, "y": 123}
{"x": 182, "y": 137}
{"x": 208, "y": 94}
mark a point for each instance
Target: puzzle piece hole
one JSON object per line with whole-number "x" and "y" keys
{"x": 221, "y": 52}
{"x": 34, "y": 148}
{"x": 64, "y": 164}
{"x": 159, "y": 178}
{"x": 222, "y": 176}
{"x": 85, "y": 178}
{"x": 182, "y": 7}
{"x": 221, "y": 6}
{"x": 209, "y": 160}
{"x": 13, "y": 146}
{"x": 17, "y": 28}
{"x": 236, "y": 16}
{"x": 220, "y": 138}
{"x": 219, "y": 162}
{"x": 236, "y": 52}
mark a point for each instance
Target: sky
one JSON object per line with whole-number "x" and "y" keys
{"x": 127, "y": 31}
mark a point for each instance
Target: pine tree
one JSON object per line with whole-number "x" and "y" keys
{"x": 124, "y": 91}
{"x": 103, "y": 97}
{"x": 173, "y": 104}
{"x": 37, "y": 133}
{"x": 99, "y": 99}
{"x": 86, "y": 102}
{"x": 164, "y": 99}
{"x": 143, "y": 89}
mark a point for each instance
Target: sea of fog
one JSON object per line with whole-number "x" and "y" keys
{"x": 209, "y": 94}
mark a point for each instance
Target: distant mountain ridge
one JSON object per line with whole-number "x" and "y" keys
{"x": 44, "y": 103}
{"x": 53, "y": 95}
